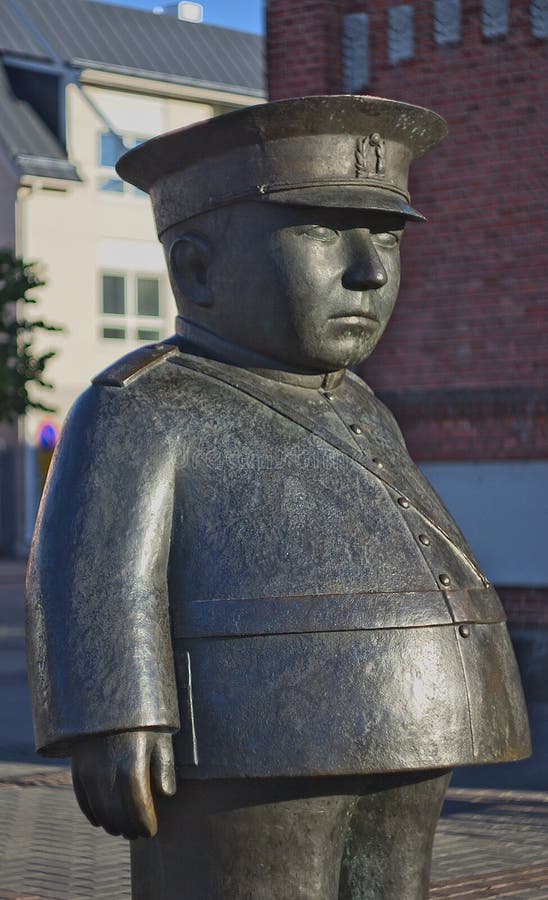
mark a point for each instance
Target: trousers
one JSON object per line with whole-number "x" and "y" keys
{"x": 322, "y": 838}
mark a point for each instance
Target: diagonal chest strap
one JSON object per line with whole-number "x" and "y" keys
{"x": 247, "y": 384}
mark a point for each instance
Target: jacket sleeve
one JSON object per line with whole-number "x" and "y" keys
{"x": 98, "y": 641}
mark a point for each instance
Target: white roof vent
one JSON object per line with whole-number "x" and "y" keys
{"x": 186, "y": 12}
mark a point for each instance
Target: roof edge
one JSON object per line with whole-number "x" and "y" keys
{"x": 47, "y": 167}
{"x": 169, "y": 79}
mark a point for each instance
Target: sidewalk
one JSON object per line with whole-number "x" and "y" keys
{"x": 490, "y": 843}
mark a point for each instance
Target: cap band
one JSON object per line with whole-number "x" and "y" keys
{"x": 268, "y": 167}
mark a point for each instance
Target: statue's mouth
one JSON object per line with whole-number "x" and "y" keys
{"x": 356, "y": 318}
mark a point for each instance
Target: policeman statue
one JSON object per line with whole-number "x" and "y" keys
{"x": 253, "y": 625}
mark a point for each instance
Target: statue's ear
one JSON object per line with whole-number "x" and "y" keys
{"x": 189, "y": 259}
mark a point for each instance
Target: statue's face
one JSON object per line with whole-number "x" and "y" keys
{"x": 338, "y": 273}
{"x": 311, "y": 287}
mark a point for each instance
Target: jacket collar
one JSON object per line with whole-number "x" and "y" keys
{"x": 195, "y": 340}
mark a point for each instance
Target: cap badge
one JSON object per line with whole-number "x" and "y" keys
{"x": 370, "y": 152}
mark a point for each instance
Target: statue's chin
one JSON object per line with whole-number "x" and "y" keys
{"x": 345, "y": 354}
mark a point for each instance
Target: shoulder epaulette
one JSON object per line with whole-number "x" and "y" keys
{"x": 133, "y": 364}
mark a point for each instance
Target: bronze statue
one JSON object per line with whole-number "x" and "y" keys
{"x": 252, "y": 623}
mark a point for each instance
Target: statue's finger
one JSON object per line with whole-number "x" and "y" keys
{"x": 162, "y": 766}
{"x": 139, "y": 804}
{"x": 109, "y": 809}
{"x": 82, "y": 798}
{"x": 124, "y": 819}
{"x": 105, "y": 800}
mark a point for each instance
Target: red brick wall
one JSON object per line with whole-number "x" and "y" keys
{"x": 483, "y": 424}
{"x": 525, "y": 606}
{"x": 303, "y": 47}
{"x": 473, "y": 311}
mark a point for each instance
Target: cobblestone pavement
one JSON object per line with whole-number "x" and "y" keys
{"x": 488, "y": 844}
{"x": 492, "y": 843}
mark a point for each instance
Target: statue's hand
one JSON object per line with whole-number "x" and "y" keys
{"x": 114, "y": 776}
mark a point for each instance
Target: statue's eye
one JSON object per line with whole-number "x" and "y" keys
{"x": 320, "y": 233}
{"x": 385, "y": 239}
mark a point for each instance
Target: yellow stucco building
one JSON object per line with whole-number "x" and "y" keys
{"x": 79, "y": 83}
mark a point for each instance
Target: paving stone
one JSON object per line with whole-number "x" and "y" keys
{"x": 502, "y": 883}
{"x": 492, "y": 844}
{"x": 49, "y": 850}
{"x": 488, "y": 844}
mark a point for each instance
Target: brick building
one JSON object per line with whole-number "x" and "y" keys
{"x": 463, "y": 363}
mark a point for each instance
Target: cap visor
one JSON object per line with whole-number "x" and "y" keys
{"x": 346, "y": 196}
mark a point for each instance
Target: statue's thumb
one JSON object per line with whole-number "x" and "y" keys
{"x": 162, "y": 766}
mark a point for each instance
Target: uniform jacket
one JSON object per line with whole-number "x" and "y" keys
{"x": 252, "y": 561}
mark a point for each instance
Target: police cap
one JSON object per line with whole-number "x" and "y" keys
{"x": 336, "y": 151}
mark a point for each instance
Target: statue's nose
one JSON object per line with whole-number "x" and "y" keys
{"x": 365, "y": 269}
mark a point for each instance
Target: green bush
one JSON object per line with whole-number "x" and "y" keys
{"x": 19, "y": 365}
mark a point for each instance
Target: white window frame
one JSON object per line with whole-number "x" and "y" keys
{"x": 106, "y": 173}
{"x": 130, "y": 320}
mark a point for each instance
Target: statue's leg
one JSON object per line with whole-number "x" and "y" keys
{"x": 389, "y": 847}
{"x": 269, "y": 839}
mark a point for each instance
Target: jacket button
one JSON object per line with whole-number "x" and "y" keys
{"x": 445, "y": 580}
{"x": 356, "y": 429}
{"x": 424, "y": 539}
{"x": 464, "y": 631}
{"x": 377, "y": 462}
{"x": 403, "y": 502}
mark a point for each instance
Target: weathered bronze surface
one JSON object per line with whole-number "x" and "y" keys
{"x": 252, "y": 622}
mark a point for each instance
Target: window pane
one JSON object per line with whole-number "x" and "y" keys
{"x": 114, "y": 333}
{"x": 538, "y": 12}
{"x": 495, "y": 18}
{"x": 148, "y": 297}
{"x": 110, "y": 149}
{"x": 357, "y": 53}
{"x": 447, "y": 21}
{"x": 115, "y": 185}
{"x": 114, "y": 295}
{"x": 148, "y": 334}
{"x": 401, "y": 33}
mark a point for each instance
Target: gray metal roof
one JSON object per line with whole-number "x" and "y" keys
{"x": 84, "y": 34}
{"x": 30, "y": 145}
{"x": 14, "y": 36}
